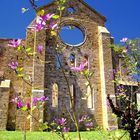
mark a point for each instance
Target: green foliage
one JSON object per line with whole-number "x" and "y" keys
{"x": 129, "y": 52}
{"x": 128, "y": 60}
{"x": 44, "y": 126}
{"x": 61, "y": 8}
{"x": 28, "y": 49}
{"x": 33, "y": 108}
{"x": 117, "y": 48}
{"x": 55, "y": 17}
{"x": 24, "y": 108}
{"x": 19, "y": 48}
{"x": 87, "y": 73}
{"x": 20, "y": 72}
{"x": 62, "y": 1}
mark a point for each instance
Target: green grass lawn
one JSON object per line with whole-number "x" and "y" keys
{"x": 92, "y": 135}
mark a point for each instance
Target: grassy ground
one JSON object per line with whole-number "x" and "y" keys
{"x": 92, "y": 135}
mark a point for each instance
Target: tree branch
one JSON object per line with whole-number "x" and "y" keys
{"x": 34, "y": 6}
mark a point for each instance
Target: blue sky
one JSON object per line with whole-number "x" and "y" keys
{"x": 123, "y": 17}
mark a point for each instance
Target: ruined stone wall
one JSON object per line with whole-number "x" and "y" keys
{"x": 33, "y": 68}
{"x": 88, "y": 22}
{"x": 38, "y": 79}
{"x": 21, "y": 116}
{"x": 16, "y": 84}
{"x": 5, "y": 93}
{"x": 4, "y": 98}
{"x": 108, "y": 62}
{"x": 45, "y": 74}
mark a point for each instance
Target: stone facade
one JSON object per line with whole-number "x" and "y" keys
{"x": 46, "y": 75}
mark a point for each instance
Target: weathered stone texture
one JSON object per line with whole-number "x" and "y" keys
{"x": 112, "y": 121}
{"x": 4, "y": 98}
{"x": 8, "y": 55}
{"x": 44, "y": 73}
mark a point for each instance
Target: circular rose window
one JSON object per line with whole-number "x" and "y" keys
{"x": 72, "y": 35}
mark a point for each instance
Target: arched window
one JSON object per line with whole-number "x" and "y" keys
{"x": 90, "y": 98}
{"x": 58, "y": 61}
{"x": 55, "y": 95}
{"x": 72, "y": 60}
{"x": 86, "y": 61}
{"x": 73, "y": 95}
{"x": 71, "y": 10}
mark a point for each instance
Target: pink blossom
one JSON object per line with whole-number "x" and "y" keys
{"x": 66, "y": 129}
{"x": 53, "y": 25}
{"x": 19, "y": 104}
{"x": 89, "y": 125}
{"x": 61, "y": 121}
{"x": 81, "y": 67}
{"x": 28, "y": 105}
{"x": 35, "y": 100}
{"x": 123, "y": 40}
{"x": 38, "y": 27}
{"x": 15, "y": 100}
{"x": 47, "y": 17}
{"x": 41, "y": 22}
{"x": 40, "y": 49}
{"x": 82, "y": 118}
{"x": 14, "y": 43}
{"x": 13, "y": 65}
{"x": 43, "y": 98}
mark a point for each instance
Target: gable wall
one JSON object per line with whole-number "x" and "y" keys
{"x": 45, "y": 75}
{"x": 89, "y": 22}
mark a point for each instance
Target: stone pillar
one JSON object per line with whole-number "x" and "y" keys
{"x": 38, "y": 71}
{"x": 4, "y": 102}
{"x": 106, "y": 67}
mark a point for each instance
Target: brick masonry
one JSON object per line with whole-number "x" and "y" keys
{"x": 44, "y": 75}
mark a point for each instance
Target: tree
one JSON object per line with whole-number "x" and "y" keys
{"x": 127, "y": 70}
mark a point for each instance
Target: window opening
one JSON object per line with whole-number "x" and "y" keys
{"x": 58, "y": 62}
{"x": 72, "y": 59}
{"x": 86, "y": 62}
{"x": 73, "y": 95}
{"x": 71, "y": 10}
{"x": 55, "y": 95}
{"x": 90, "y": 100}
{"x": 72, "y": 35}
{"x": 138, "y": 101}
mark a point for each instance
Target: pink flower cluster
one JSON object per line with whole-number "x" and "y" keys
{"x": 13, "y": 65}
{"x": 36, "y": 100}
{"x": 81, "y": 67}
{"x": 65, "y": 129}
{"x": 123, "y": 40}
{"x": 14, "y": 43}
{"x": 41, "y": 22}
{"x": 62, "y": 122}
{"x": 40, "y": 49}
{"x": 39, "y": 99}
{"x": 85, "y": 119}
{"x": 18, "y": 102}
